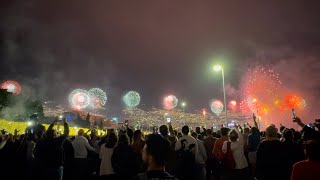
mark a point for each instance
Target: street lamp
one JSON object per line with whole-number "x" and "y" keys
{"x": 183, "y": 104}
{"x": 220, "y": 68}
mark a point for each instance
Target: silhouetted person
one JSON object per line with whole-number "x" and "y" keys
{"x": 155, "y": 153}
{"x": 49, "y": 152}
{"x": 164, "y": 131}
{"x": 308, "y": 169}
{"x": 81, "y": 164}
{"x": 271, "y": 157}
{"x": 124, "y": 161}
{"x": 186, "y": 149}
{"x": 208, "y": 143}
{"x": 106, "y": 151}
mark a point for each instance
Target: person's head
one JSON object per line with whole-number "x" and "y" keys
{"x": 175, "y": 132}
{"x": 163, "y": 130}
{"x": 51, "y": 134}
{"x": 214, "y": 134}
{"x": 200, "y": 137}
{"x": 156, "y": 150}
{"x": 198, "y": 130}
{"x": 255, "y": 131}
{"x": 185, "y": 130}
{"x": 312, "y": 150}
{"x": 130, "y": 134}
{"x": 34, "y": 118}
{"x": 287, "y": 135}
{"x": 80, "y": 132}
{"x": 137, "y": 135}
{"x": 110, "y": 131}
{"x": 209, "y": 132}
{"x": 233, "y": 135}
{"x": 224, "y": 131}
{"x": 194, "y": 134}
{"x": 246, "y": 130}
{"x": 218, "y": 133}
{"x": 282, "y": 128}
{"x": 112, "y": 140}
{"x": 271, "y": 132}
{"x": 179, "y": 135}
{"x": 123, "y": 139}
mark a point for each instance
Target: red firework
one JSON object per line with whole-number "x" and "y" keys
{"x": 245, "y": 109}
{"x": 11, "y": 86}
{"x": 262, "y": 83}
{"x": 233, "y": 105}
{"x": 170, "y": 102}
{"x": 293, "y": 101}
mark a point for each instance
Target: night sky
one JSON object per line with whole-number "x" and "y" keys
{"x": 156, "y": 47}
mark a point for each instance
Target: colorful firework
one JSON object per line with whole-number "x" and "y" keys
{"x": 262, "y": 83}
{"x": 233, "y": 105}
{"x": 132, "y": 99}
{"x": 11, "y": 86}
{"x": 293, "y": 102}
{"x": 98, "y": 97}
{"x": 216, "y": 107}
{"x": 170, "y": 102}
{"x": 79, "y": 99}
{"x": 245, "y": 109}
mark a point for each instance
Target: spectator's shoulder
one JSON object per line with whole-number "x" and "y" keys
{"x": 300, "y": 163}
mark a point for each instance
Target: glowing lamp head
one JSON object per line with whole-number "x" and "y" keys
{"x": 29, "y": 123}
{"x": 217, "y": 68}
{"x": 183, "y": 104}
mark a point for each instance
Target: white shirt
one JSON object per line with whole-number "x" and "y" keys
{"x": 202, "y": 155}
{"x": 30, "y": 148}
{"x": 105, "y": 156}
{"x": 2, "y": 144}
{"x": 237, "y": 151}
{"x": 188, "y": 141}
{"x": 81, "y": 145}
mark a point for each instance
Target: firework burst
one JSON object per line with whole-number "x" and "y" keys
{"x": 132, "y": 99}
{"x": 79, "y": 99}
{"x": 216, "y": 107}
{"x": 11, "y": 86}
{"x": 98, "y": 97}
{"x": 170, "y": 102}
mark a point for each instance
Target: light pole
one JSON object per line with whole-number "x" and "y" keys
{"x": 220, "y": 68}
{"x": 183, "y": 104}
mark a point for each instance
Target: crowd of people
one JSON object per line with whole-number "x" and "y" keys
{"x": 244, "y": 152}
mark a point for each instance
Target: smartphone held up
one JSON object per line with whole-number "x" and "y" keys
{"x": 294, "y": 113}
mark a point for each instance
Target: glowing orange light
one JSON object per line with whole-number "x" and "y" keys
{"x": 233, "y": 103}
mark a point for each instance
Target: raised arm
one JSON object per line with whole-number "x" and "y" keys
{"x": 52, "y": 124}
{"x": 298, "y": 121}
{"x": 171, "y": 130}
{"x": 88, "y": 146}
{"x": 240, "y": 135}
{"x": 66, "y": 127}
{"x": 241, "y": 130}
{"x": 255, "y": 121}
